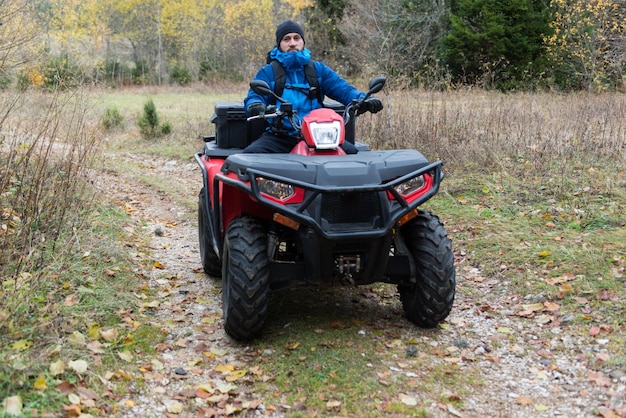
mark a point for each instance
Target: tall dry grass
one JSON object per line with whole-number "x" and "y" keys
{"x": 46, "y": 145}
{"x": 541, "y": 136}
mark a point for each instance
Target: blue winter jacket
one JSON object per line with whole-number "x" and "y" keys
{"x": 331, "y": 85}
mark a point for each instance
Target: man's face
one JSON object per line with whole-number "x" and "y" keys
{"x": 291, "y": 42}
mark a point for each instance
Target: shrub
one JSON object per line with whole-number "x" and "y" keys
{"x": 112, "y": 118}
{"x": 180, "y": 75}
{"x": 149, "y": 119}
{"x": 149, "y": 122}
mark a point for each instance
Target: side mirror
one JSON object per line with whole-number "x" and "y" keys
{"x": 377, "y": 84}
{"x": 262, "y": 88}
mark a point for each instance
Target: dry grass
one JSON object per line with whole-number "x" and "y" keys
{"x": 523, "y": 134}
{"x": 47, "y": 142}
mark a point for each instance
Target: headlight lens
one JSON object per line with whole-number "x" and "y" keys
{"x": 411, "y": 186}
{"x": 326, "y": 134}
{"x": 275, "y": 189}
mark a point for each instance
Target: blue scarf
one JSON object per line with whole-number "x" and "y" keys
{"x": 291, "y": 60}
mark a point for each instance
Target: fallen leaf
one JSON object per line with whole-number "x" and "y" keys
{"x": 95, "y": 347}
{"x": 332, "y": 404}
{"x": 125, "y": 355}
{"x": 22, "y": 345}
{"x": 12, "y": 406}
{"x": 160, "y": 266}
{"x": 524, "y": 400}
{"x": 109, "y": 335}
{"x": 56, "y": 368}
{"x": 226, "y": 387}
{"x": 292, "y": 346}
{"x": 73, "y": 398}
{"x": 237, "y": 374}
{"x": 407, "y": 400}
{"x": 79, "y": 366}
{"x": 40, "y": 383}
{"x": 224, "y": 368}
{"x": 77, "y": 339}
{"x": 173, "y": 406}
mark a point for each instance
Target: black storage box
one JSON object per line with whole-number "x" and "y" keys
{"x": 232, "y": 130}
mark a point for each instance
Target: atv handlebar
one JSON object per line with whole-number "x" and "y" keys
{"x": 352, "y": 109}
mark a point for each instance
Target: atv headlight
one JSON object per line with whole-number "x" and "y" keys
{"x": 411, "y": 186}
{"x": 275, "y": 189}
{"x": 326, "y": 135}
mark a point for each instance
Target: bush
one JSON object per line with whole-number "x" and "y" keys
{"x": 180, "y": 75}
{"x": 149, "y": 119}
{"x": 149, "y": 122}
{"x": 112, "y": 118}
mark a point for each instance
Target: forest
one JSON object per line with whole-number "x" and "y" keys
{"x": 507, "y": 45}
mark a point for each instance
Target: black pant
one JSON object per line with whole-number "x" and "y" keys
{"x": 269, "y": 142}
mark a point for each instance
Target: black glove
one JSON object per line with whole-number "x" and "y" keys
{"x": 256, "y": 108}
{"x": 373, "y": 104}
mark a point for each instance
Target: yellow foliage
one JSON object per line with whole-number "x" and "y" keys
{"x": 583, "y": 35}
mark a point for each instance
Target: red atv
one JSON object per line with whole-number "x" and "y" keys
{"x": 270, "y": 221}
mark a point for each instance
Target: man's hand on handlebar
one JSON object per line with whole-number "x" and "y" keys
{"x": 256, "y": 109}
{"x": 373, "y": 104}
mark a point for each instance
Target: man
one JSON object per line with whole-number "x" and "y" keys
{"x": 294, "y": 58}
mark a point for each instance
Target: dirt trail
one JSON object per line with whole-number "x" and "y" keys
{"x": 525, "y": 370}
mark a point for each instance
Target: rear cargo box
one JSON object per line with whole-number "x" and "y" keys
{"x": 232, "y": 130}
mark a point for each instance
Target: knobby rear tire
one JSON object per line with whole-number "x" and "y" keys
{"x": 245, "y": 279}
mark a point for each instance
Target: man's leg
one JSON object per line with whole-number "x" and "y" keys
{"x": 269, "y": 143}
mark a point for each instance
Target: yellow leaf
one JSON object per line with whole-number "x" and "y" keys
{"x": 544, "y": 254}
{"x": 224, "y": 368}
{"x": 94, "y": 332}
{"x": 130, "y": 339}
{"x": 206, "y": 387}
{"x": 237, "y": 374}
{"x": 292, "y": 346}
{"x": 22, "y": 345}
{"x": 129, "y": 403}
{"x": 159, "y": 265}
{"x": 566, "y": 288}
{"x": 40, "y": 383}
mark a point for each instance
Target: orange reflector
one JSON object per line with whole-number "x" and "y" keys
{"x": 283, "y": 220}
{"x": 406, "y": 218}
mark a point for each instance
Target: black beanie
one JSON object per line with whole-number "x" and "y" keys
{"x": 288, "y": 26}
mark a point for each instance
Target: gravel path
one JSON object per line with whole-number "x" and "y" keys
{"x": 525, "y": 360}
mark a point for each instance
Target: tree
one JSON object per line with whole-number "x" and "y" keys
{"x": 17, "y": 33}
{"x": 494, "y": 42}
{"x": 588, "y": 45}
